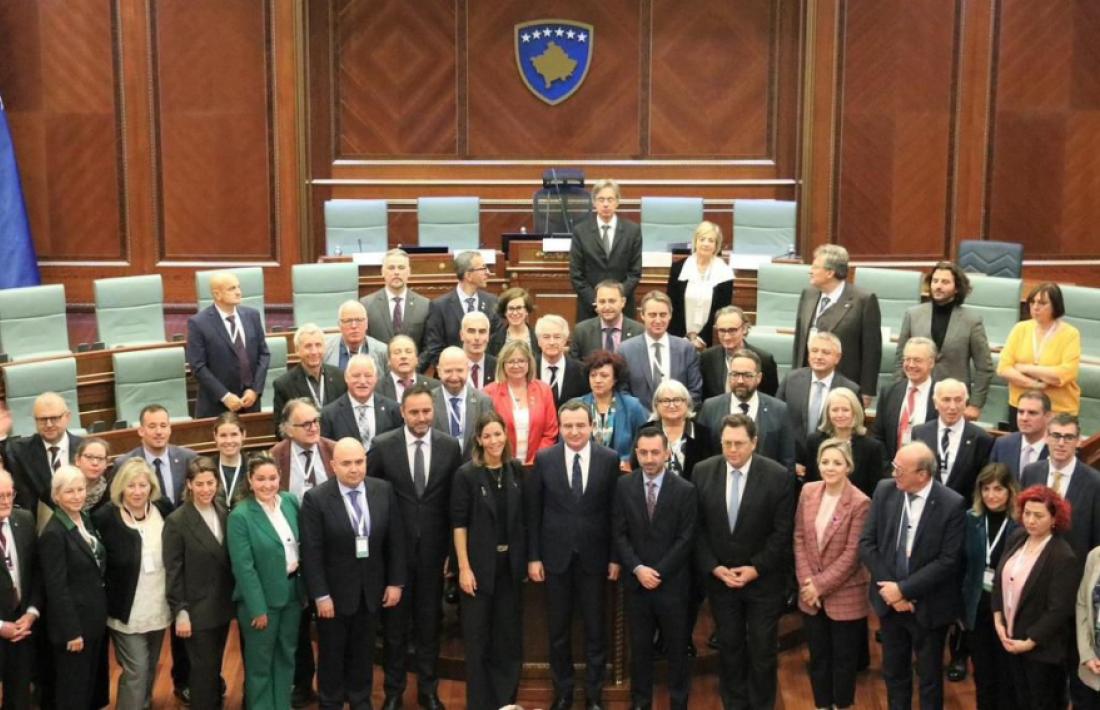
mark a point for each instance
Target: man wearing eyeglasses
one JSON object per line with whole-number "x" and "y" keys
{"x": 33, "y": 459}
{"x": 446, "y": 312}
{"x": 313, "y": 378}
{"x": 353, "y": 339}
{"x": 564, "y": 375}
{"x": 20, "y": 597}
{"x": 604, "y": 246}
{"x": 733, "y": 327}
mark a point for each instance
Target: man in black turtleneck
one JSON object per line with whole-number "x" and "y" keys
{"x": 961, "y": 343}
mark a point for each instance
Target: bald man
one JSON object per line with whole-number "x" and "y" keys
{"x": 227, "y": 351}
{"x": 33, "y": 459}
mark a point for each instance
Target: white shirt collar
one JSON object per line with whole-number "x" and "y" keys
{"x": 403, "y": 295}
{"x": 924, "y": 492}
{"x": 356, "y": 403}
{"x": 649, "y": 341}
{"x": 828, "y": 379}
{"x": 955, "y": 428}
{"x": 1067, "y": 470}
{"x": 835, "y": 294}
{"x": 744, "y": 469}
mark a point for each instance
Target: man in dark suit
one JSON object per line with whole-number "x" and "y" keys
{"x": 353, "y": 339}
{"x": 227, "y": 351}
{"x": 605, "y": 247}
{"x": 962, "y": 447}
{"x": 401, "y": 371}
{"x": 912, "y": 544}
{"x": 1028, "y": 443}
{"x": 361, "y": 413}
{"x": 744, "y": 548}
{"x": 907, "y": 402}
{"x": 33, "y": 459}
{"x": 609, "y": 327}
{"x": 446, "y": 312}
{"x": 570, "y": 547}
{"x": 395, "y": 309}
{"x": 564, "y": 375}
{"x": 313, "y": 378}
{"x": 456, "y": 404}
{"x": 5, "y": 434}
{"x": 20, "y": 597}
{"x": 169, "y": 462}
{"x": 774, "y": 438}
{"x": 848, "y": 312}
{"x": 353, "y": 561}
{"x": 655, "y": 515}
{"x": 714, "y": 362}
{"x": 474, "y": 336}
{"x": 419, "y": 463}
{"x": 655, "y": 355}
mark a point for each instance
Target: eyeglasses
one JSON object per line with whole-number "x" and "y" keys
{"x": 552, "y": 337}
{"x": 93, "y": 458}
{"x": 668, "y": 401}
{"x": 1055, "y": 436}
{"x": 352, "y": 321}
{"x": 7, "y": 496}
{"x": 480, "y": 268}
{"x": 516, "y": 309}
{"x": 730, "y": 331}
{"x": 54, "y": 419}
{"x": 742, "y": 375}
{"x": 311, "y": 424}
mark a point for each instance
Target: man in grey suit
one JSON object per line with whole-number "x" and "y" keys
{"x": 446, "y": 312}
{"x": 361, "y": 413}
{"x": 168, "y": 462}
{"x": 605, "y": 246}
{"x": 609, "y": 328}
{"x": 655, "y": 355}
{"x": 457, "y": 405}
{"x": 848, "y": 312}
{"x": 353, "y": 339}
{"x": 962, "y": 348}
{"x": 805, "y": 389}
{"x": 1028, "y": 444}
{"x": 774, "y": 438}
{"x": 401, "y": 372}
{"x": 395, "y": 309}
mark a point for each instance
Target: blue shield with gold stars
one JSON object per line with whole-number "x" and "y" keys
{"x": 553, "y": 57}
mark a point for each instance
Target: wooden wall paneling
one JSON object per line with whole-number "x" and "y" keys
{"x": 600, "y": 120}
{"x": 291, "y": 166}
{"x": 396, "y": 91}
{"x": 1045, "y": 169}
{"x": 894, "y": 128}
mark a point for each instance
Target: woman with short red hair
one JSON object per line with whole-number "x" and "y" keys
{"x": 1033, "y": 599}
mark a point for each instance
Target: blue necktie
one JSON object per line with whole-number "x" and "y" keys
{"x": 362, "y": 516}
{"x": 577, "y": 483}
{"x": 735, "y": 500}
{"x": 456, "y": 419}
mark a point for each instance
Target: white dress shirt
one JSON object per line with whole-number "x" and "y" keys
{"x": 954, "y": 440}
{"x": 298, "y": 472}
{"x": 920, "y": 403}
{"x": 480, "y": 373}
{"x": 665, "y": 355}
{"x": 282, "y": 529}
{"x": 235, "y": 329}
{"x": 544, "y": 372}
{"x": 426, "y": 447}
{"x": 1033, "y": 450}
{"x": 62, "y": 450}
{"x": 613, "y": 225}
{"x": 916, "y": 510}
{"x": 740, "y": 485}
{"x": 586, "y": 460}
{"x": 754, "y": 405}
{"x": 1066, "y": 471}
{"x": 699, "y": 290}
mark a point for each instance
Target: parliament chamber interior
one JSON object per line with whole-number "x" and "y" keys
{"x": 158, "y": 157}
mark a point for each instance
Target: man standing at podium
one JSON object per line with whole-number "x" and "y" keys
{"x": 605, "y": 246}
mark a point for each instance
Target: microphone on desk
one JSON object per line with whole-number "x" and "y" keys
{"x": 360, "y": 244}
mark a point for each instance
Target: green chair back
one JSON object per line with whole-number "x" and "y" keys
{"x": 319, "y": 289}
{"x": 897, "y": 292}
{"x": 153, "y": 376}
{"x": 765, "y": 227}
{"x": 353, "y": 226}
{"x": 997, "y": 300}
{"x": 276, "y": 345}
{"x": 25, "y": 381}
{"x": 1083, "y": 311}
{"x": 1089, "y": 378}
{"x": 778, "y": 288}
{"x": 252, "y": 288}
{"x": 129, "y": 310}
{"x": 452, "y": 222}
{"x": 32, "y": 322}
{"x": 669, "y": 220}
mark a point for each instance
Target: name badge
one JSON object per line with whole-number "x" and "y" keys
{"x": 148, "y": 564}
{"x": 362, "y": 547}
{"x": 987, "y": 579}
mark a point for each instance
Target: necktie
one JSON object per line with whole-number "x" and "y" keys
{"x": 901, "y": 555}
{"x": 606, "y": 238}
{"x": 657, "y": 364}
{"x": 364, "y": 425}
{"x": 945, "y": 446}
{"x": 822, "y": 305}
{"x": 470, "y": 305}
{"x": 5, "y": 544}
{"x": 158, "y": 465}
{"x": 405, "y": 384}
{"x": 651, "y": 498}
{"x": 243, "y": 364}
{"x": 420, "y": 479}
{"x": 1026, "y": 458}
{"x": 906, "y": 417}
{"x": 554, "y": 380}
{"x": 674, "y": 465}
{"x": 744, "y": 407}
{"x": 577, "y": 484}
{"x": 1058, "y": 478}
{"x": 311, "y": 477}
{"x": 609, "y": 339}
{"x": 475, "y": 375}
{"x": 362, "y": 519}
{"x": 735, "y": 500}
{"x": 456, "y": 419}
{"x": 398, "y": 322}
{"x": 816, "y": 398}
{"x": 55, "y": 457}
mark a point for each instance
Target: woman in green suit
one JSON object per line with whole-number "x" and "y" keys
{"x": 263, "y": 547}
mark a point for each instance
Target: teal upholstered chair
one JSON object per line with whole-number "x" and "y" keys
{"x": 276, "y": 345}
{"x": 252, "y": 287}
{"x": 778, "y": 288}
{"x": 764, "y": 227}
{"x": 452, "y": 222}
{"x": 24, "y": 382}
{"x": 353, "y": 226}
{"x": 997, "y": 300}
{"x": 983, "y": 256}
{"x": 1083, "y": 311}
{"x": 669, "y": 220}
{"x": 319, "y": 289}
{"x": 130, "y": 310}
{"x": 885, "y": 369}
{"x": 32, "y": 322}
{"x": 153, "y": 376}
{"x": 780, "y": 345}
{"x": 995, "y": 410}
{"x": 1089, "y": 379}
{"x": 897, "y": 291}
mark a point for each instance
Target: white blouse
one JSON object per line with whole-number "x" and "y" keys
{"x": 149, "y": 611}
{"x": 699, "y": 290}
{"x": 282, "y": 529}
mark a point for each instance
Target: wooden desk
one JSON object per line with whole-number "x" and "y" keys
{"x": 198, "y": 435}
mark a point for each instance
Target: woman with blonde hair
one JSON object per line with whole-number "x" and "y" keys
{"x": 525, "y": 402}
{"x": 698, "y": 286}
{"x": 842, "y": 418}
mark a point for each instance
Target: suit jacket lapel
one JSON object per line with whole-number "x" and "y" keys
{"x": 262, "y": 521}
{"x": 218, "y": 324}
{"x": 843, "y": 507}
{"x": 202, "y": 531}
{"x": 337, "y": 508}
{"x": 485, "y": 484}
{"x": 926, "y": 514}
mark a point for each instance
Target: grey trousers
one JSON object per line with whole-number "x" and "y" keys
{"x": 137, "y": 655}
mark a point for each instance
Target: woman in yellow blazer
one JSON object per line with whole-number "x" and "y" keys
{"x": 263, "y": 548}
{"x": 1043, "y": 353}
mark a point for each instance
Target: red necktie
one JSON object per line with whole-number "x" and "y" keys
{"x": 906, "y": 414}
{"x": 474, "y": 373}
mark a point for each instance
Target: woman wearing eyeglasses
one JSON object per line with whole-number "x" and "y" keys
{"x": 688, "y": 440}
{"x": 514, "y": 307}
{"x": 91, "y": 459}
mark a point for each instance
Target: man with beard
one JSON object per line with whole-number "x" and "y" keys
{"x": 457, "y": 404}
{"x": 609, "y": 327}
{"x": 395, "y": 309}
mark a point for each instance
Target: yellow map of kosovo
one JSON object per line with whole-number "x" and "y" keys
{"x": 554, "y": 64}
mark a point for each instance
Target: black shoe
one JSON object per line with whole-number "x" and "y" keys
{"x": 956, "y": 672}
{"x": 393, "y": 702}
{"x": 713, "y": 641}
{"x": 691, "y": 652}
{"x": 430, "y": 702}
{"x": 878, "y": 636}
{"x": 183, "y": 695}
{"x": 301, "y": 697}
{"x": 562, "y": 703}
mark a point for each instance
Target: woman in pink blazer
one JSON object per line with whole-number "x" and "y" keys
{"x": 832, "y": 582}
{"x": 525, "y": 403}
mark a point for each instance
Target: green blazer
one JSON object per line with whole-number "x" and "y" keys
{"x": 259, "y": 561}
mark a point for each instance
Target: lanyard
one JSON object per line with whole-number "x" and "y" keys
{"x": 358, "y": 522}
{"x": 226, "y": 486}
{"x": 1037, "y": 345}
{"x": 318, "y": 396}
{"x": 990, "y": 545}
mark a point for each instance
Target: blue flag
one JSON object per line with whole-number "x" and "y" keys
{"x": 18, "y": 263}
